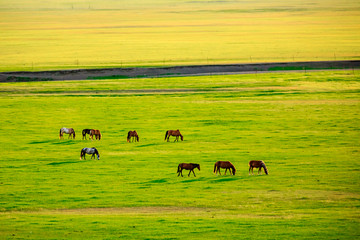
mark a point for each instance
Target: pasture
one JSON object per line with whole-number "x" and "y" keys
{"x": 68, "y": 34}
{"x": 304, "y": 126}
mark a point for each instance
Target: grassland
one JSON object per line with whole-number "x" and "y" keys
{"x": 37, "y": 35}
{"x": 305, "y": 126}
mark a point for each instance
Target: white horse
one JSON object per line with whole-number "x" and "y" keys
{"x": 69, "y": 131}
{"x": 92, "y": 151}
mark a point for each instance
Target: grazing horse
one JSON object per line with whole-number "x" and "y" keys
{"x": 188, "y": 166}
{"x": 224, "y": 164}
{"x": 96, "y": 133}
{"x": 84, "y": 132}
{"x": 69, "y": 131}
{"x": 92, "y": 151}
{"x": 257, "y": 164}
{"x": 133, "y": 135}
{"x": 175, "y": 133}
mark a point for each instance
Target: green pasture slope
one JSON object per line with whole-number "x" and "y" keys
{"x": 305, "y": 126}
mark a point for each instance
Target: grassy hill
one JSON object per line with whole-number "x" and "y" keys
{"x": 303, "y": 125}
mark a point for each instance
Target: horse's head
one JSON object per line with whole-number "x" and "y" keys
{"x": 198, "y": 166}
{"x": 265, "y": 169}
{"x": 182, "y": 138}
{"x": 234, "y": 170}
{"x": 97, "y": 153}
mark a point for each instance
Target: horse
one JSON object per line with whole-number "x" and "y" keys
{"x": 69, "y": 131}
{"x": 188, "y": 166}
{"x": 84, "y": 132}
{"x": 92, "y": 151}
{"x": 96, "y": 133}
{"x": 257, "y": 164}
{"x": 175, "y": 133}
{"x": 224, "y": 164}
{"x": 133, "y": 135}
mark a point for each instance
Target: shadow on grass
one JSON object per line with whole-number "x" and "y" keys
{"x": 161, "y": 180}
{"x": 148, "y": 145}
{"x": 65, "y": 142}
{"x": 61, "y": 163}
{"x": 45, "y": 141}
{"x": 225, "y": 179}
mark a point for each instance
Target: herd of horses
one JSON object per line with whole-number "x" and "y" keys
{"x": 223, "y": 164}
{"x": 133, "y": 136}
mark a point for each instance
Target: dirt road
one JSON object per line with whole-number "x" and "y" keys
{"x": 84, "y": 74}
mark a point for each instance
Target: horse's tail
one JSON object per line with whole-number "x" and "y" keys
{"x": 166, "y": 134}
{"x": 215, "y": 165}
{"x": 81, "y": 154}
{"x": 128, "y": 137}
{"x": 178, "y": 168}
{"x": 99, "y": 135}
{"x": 265, "y": 169}
{"x": 60, "y": 134}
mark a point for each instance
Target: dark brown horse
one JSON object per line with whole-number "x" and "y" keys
{"x": 257, "y": 164}
{"x": 133, "y": 135}
{"x": 175, "y": 133}
{"x": 96, "y": 133}
{"x": 69, "y": 131}
{"x": 84, "y": 132}
{"x": 224, "y": 164}
{"x": 188, "y": 166}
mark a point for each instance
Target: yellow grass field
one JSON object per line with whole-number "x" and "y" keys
{"x": 46, "y": 34}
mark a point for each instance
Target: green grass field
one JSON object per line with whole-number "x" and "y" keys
{"x": 305, "y": 126}
{"x": 47, "y": 34}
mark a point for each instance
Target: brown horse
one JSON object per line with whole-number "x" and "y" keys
{"x": 133, "y": 135}
{"x": 175, "y": 133}
{"x": 257, "y": 164}
{"x": 188, "y": 166}
{"x": 69, "y": 131}
{"x": 96, "y": 133}
{"x": 84, "y": 132}
{"x": 224, "y": 164}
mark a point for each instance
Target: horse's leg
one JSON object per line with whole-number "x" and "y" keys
{"x": 181, "y": 172}
{"x": 193, "y": 173}
{"x": 225, "y": 171}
